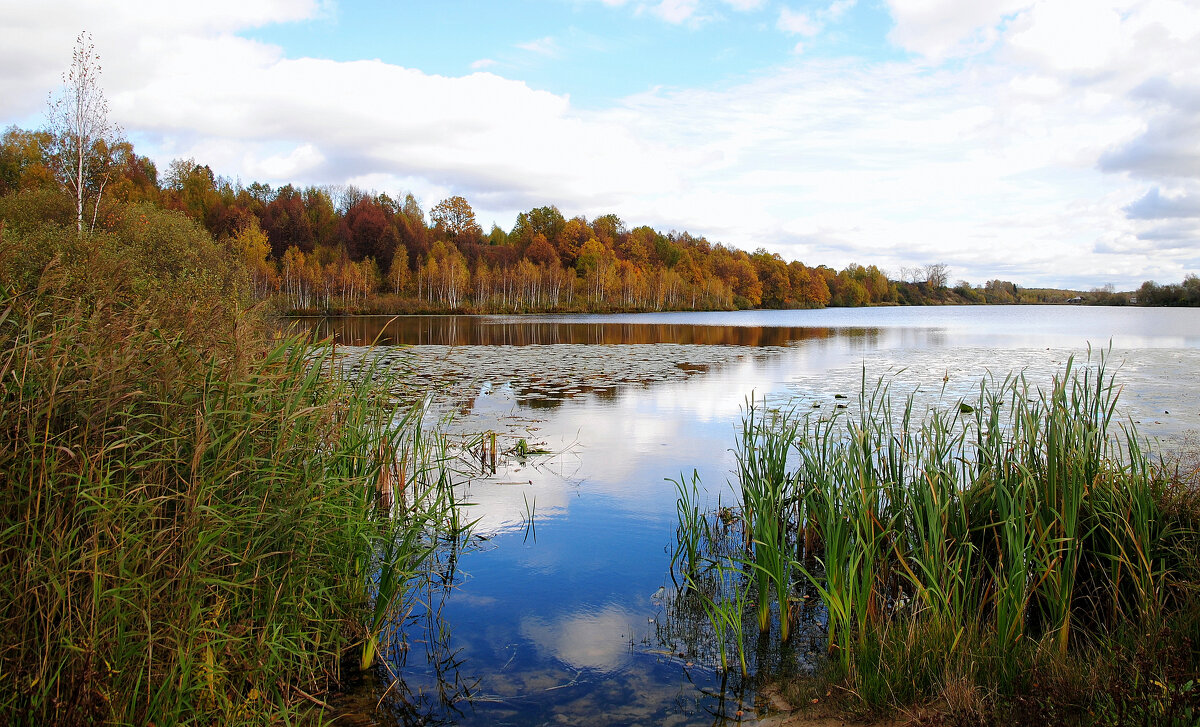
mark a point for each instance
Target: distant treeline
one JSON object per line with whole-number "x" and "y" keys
{"x": 345, "y": 249}
{"x": 1151, "y": 293}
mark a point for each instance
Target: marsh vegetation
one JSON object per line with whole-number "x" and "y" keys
{"x": 190, "y": 526}
{"x": 1016, "y": 556}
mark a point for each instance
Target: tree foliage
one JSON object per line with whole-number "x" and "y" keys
{"x": 80, "y": 136}
{"x": 455, "y": 218}
{"x": 345, "y": 248}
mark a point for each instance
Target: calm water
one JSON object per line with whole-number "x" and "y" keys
{"x": 570, "y": 621}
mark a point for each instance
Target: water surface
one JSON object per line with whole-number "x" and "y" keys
{"x": 570, "y": 620}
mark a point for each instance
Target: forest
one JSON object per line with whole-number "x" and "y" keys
{"x": 341, "y": 249}
{"x": 344, "y": 249}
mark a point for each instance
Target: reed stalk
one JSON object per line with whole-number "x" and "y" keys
{"x": 185, "y": 535}
{"x": 691, "y": 529}
{"x": 1013, "y": 529}
{"x": 768, "y": 492}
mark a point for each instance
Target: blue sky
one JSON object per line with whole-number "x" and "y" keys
{"x": 595, "y": 52}
{"x": 1050, "y": 142}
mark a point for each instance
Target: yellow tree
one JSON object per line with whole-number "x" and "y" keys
{"x": 23, "y": 161}
{"x": 575, "y": 232}
{"x": 398, "y": 274}
{"x": 454, "y": 217}
{"x": 598, "y": 265}
{"x": 250, "y": 244}
{"x": 295, "y": 281}
{"x": 809, "y": 289}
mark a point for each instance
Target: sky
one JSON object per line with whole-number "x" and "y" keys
{"x": 1047, "y": 142}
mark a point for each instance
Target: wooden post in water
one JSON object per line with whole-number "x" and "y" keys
{"x": 493, "y": 452}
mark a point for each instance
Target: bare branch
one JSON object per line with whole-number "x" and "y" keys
{"x": 81, "y": 136}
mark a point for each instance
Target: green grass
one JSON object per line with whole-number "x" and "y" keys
{"x": 1010, "y": 557}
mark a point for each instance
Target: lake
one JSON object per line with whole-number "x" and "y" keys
{"x": 563, "y": 610}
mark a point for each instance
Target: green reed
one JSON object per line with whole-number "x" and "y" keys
{"x": 1019, "y": 526}
{"x": 692, "y": 526}
{"x": 184, "y": 533}
{"x": 724, "y": 597}
{"x": 768, "y": 492}
{"x": 412, "y": 528}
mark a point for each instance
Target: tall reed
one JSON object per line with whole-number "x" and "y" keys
{"x": 1015, "y": 527}
{"x": 724, "y": 596}
{"x": 691, "y": 529}
{"x": 183, "y": 532}
{"x": 768, "y": 492}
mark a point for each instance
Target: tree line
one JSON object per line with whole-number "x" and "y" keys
{"x": 342, "y": 248}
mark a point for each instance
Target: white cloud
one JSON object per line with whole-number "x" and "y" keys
{"x": 482, "y": 63}
{"x": 1157, "y": 204}
{"x": 937, "y": 28}
{"x": 681, "y": 12}
{"x": 808, "y": 24}
{"x": 298, "y": 163}
{"x": 676, "y": 11}
{"x": 839, "y": 8}
{"x": 797, "y": 23}
{"x": 542, "y": 46}
{"x": 1070, "y": 35}
{"x": 1020, "y": 162}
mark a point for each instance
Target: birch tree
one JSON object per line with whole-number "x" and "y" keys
{"x": 81, "y": 134}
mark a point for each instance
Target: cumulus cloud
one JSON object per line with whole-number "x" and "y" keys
{"x": 676, "y": 11}
{"x": 839, "y": 8}
{"x": 297, "y": 163}
{"x": 1166, "y": 237}
{"x": 1155, "y": 205}
{"x": 1168, "y": 148}
{"x": 1127, "y": 65}
{"x": 940, "y": 28}
{"x": 808, "y": 24}
{"x": 1019, "y": 158}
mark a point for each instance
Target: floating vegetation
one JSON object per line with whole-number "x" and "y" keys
{"x": 545, "y": 375}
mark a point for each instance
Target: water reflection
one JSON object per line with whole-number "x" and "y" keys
{"x": 516, "y": 331}
{"x": 581, "y": 624}
{"x": 584, "y": 639}
{"x": 1008, "y": 326}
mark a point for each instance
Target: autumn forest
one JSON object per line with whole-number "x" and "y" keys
{"x": 344, "y": 249}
